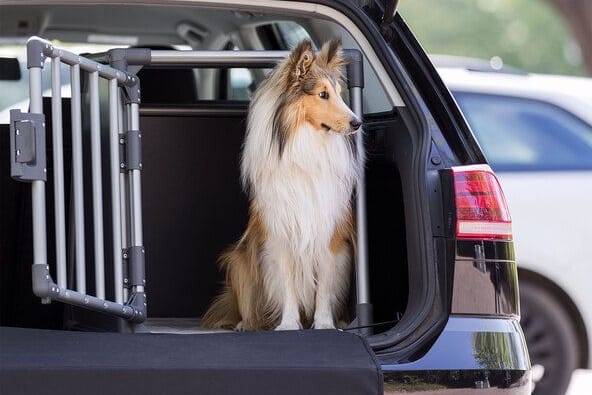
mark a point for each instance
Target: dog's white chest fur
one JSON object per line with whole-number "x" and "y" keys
{"x": 305, "y": 194}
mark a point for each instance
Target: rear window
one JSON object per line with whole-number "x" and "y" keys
{"x": 524, "y": 134}
{"x": 291, "y": 33}
{"x": 15, "y": 92}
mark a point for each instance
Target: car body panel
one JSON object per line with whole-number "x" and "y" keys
{"x": 467, "y": 346}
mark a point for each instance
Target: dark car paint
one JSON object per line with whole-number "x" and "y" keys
{"x": 490, "y": 269}
{"x": 471, "y": 352}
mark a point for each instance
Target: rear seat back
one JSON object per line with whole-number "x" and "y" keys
{"x": 193, "y": 204}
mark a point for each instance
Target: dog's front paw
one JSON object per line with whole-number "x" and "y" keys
{"x": 323, "y": 321}
{"x": 323, "y": 325}
{"x": 289, "y": 326}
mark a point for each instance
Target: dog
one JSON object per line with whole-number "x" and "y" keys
{"x": 292, "y": 266}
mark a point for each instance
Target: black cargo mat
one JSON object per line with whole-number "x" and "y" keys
{"x": 324, "y": 362}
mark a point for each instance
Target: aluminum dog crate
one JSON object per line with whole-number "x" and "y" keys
{"x": 118, "y": 69}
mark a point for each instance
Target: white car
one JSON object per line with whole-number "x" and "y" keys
{"x": 536, "y": 131}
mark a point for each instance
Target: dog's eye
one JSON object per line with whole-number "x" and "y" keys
{"x": 324, "y": 95}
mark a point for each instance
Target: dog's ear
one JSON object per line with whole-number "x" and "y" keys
{"x": 301, "y": 59}
{"x": 331, "y": 57}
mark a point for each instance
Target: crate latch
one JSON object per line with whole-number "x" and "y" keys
{"x": 27, "y": 146}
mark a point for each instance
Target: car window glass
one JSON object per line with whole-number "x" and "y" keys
{"x": 524, "y": 134}
{"x": 287, "y": 35}
{"x": 241, "y": 82}
{"x": 291, "y": 33}
{"x": 14, "y": 94}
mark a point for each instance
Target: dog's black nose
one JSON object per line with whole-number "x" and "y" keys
{"x": 355, "y": 123}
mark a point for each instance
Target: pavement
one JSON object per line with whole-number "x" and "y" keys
{"x": 581, "y": 382}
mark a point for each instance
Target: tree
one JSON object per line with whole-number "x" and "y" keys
{"x": 578, "y": 14}
{"x": 528, "y": 34}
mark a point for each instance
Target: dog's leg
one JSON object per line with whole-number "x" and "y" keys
{"x": 246, "y": 307}
{"x": 290, "y": 314}
{"x": 333, "y": 275}
{"x": 279, "y": 283}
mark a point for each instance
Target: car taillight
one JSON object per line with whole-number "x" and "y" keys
{"x": 481, "y": 209}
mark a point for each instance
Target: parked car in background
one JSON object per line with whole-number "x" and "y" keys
{"x": 536, "y": 132}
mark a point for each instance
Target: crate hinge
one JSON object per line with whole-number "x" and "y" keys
{"x": 130, "y": 150}
{"x": 134, "y": 277}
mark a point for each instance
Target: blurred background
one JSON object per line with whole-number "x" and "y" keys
{"x": 542, "y": 36}
{"x": 520, "y": 72}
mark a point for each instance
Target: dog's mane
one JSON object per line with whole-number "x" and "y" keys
{"x": 272, "y": 113}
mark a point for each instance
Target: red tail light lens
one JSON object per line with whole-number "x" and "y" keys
{"x": 481, "y": 209}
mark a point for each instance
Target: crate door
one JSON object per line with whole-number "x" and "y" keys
{"x": 121, "y": 228}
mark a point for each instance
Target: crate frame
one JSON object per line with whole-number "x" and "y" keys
{"x": 28, "y": 164}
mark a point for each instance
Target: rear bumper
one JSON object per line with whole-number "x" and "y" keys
{"x": 471, "y": 355}
{"x": 477, "y": 355}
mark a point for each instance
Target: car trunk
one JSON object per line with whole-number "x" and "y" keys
{"x": 194, "y": 208}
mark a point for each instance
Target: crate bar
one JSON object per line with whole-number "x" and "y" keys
{"x": 58, "y": 171}
{"x": 53, "y": 292}
{"x": 135, "y": 188}
{"x": 136, "y": 208}
{"x": 355, "y": 82}
{"x": 362, "y": 254}
{"x": 217, "y": 58}
{"x": 116, "y": 196}
{"x": 124, "y": 195}
{"x": 253, "y": 59}
{"x": 77, "y": 171}
{"x": 121, "y": 122}
{"x": 97, "y": 184}
{"x": 38, "y": 186}
{"x": 363, "y": 307}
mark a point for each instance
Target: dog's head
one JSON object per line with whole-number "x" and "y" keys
{"x": 312, "y": 91}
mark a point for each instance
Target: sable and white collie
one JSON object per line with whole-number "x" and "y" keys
{"x": 291, "y": 268}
